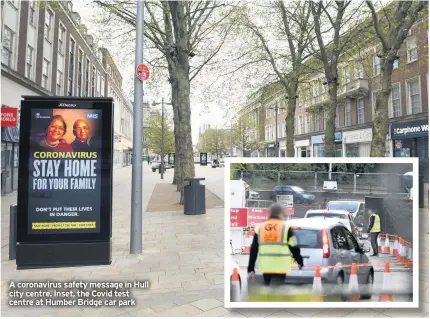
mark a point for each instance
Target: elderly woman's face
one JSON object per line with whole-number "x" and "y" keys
{"x": 56, "y": 129}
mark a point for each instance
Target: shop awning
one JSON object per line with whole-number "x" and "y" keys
{"x": 10, "y": 134}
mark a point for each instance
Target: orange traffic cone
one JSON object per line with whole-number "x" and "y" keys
{"x": 353, "y": 291}
{"x": 385, "y": 295}
{"x": 396, "y": 246}
{"x": 410, "y": 256}
{"x": 379, "y": 244}
{"x": 248, "y": 243}
{"x": 387, "y": 244}
{"x": 317, "y": 286}
{"x": 235, "y": 286}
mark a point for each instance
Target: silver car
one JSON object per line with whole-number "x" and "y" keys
{"x": 329, "y": 243}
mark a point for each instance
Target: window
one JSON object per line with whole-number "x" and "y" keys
{"x": 339, "y": 238}
{"x": 352, "y": 243}
{"x": 59, "y": 82}
{"x": 29, "y": 66}
{"x": 93, "y": 82}
{"x": 7, "y": 46}
{"x": 61, "y": 38}
{"x": 87, "y": 78}
{"x": 396, "y": 64}
{"x": 411, "y": 49}
{"x": 359, "y": 71}
{"x": 336, "y": 119}
{"x": 45, "y": 74}
{"x": 302, "y": 124}
{"x": 102, "y": 92}
{"x": 414, "y": 97}
{"x": 80, "y": 57}
{"x": 48, "y": 24}
{"x": 360, "y": 111}
{"x": 348, "y": 113}
{"x": 308, "y": 123}
{"x": 376, "y": 65}
{"x": 395, "y": 101}
{"x": 325, "y": 120}
{"x": 71, "y": 67}
{"x": 98, "y": 84}
{"x": 317, "y": 122}
{"x": 32, "y": 13}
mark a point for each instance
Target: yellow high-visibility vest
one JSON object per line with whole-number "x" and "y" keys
{"x": 376, "y": 228}
{"x": 274, "y": 256}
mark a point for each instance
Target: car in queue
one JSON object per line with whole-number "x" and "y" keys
{"x": 299, "y": 195}
{"x": 328, "y": 243}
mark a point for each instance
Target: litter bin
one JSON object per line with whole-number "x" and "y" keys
{"x": 194, "y": 197}
{"x": 421, "y": 191}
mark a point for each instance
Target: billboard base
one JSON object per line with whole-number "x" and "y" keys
{"x": 54, "y": 255}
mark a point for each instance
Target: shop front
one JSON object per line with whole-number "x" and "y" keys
{"x": 318, "y": 145}
{"x": 270, "y": 150}
{"x": 357, "y": 143}
{"x": 283, "y": 148}
{"x": 9, "y": 159}
{"x": 302, "y": 148}
{"x": 410, "y": 139}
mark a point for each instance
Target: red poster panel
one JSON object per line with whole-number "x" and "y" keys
{"x": 257, "y": 216}
{"x": 9, "y": 117}
{"x": 289, "y": 210}
{"x": 238, "y": 217}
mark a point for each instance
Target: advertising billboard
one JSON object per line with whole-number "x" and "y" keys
{"x": 172, "y": 158}
{"x": 203, "y": 158}
{"x": 65, "y": 166}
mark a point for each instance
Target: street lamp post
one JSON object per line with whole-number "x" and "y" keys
{"x": 276, "y": 108}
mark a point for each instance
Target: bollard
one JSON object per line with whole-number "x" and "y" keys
{"x": 13, "y": 228}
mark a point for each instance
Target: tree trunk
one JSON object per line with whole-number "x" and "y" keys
{"x": 380, "y": 121}
{"x": 289, "y": 122}
{"x": 177, "y": 171}
{"x": 329, "y": 144}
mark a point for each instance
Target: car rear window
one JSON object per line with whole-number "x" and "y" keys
{"x": 327, "y": 215}
{"x": 308, "y": 238}
{"x": 349, "y": 207}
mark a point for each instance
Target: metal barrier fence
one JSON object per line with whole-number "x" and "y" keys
{"x": 313, "y": 181}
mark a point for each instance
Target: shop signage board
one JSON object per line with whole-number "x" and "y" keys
{"x": 238, "y": 217}
{"x": 65, "y": 182}
{"x": 320, "y": 139}
{"x": 407, "y": 130}
{"x": 9, "y": 117}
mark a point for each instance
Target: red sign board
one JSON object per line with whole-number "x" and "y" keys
{"x": 142, "y": 72}
{"x": 289, "y": 211}
{"x": 9, "y": 117}
{"x": 257, "y": 216}
{"x": 238, "y": 217}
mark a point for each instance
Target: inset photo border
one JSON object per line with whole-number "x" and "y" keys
{"x": 252, "y": 185}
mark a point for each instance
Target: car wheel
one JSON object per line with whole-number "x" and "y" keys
{"x": 368, "y": 286}
{"x": 340, "y": 286}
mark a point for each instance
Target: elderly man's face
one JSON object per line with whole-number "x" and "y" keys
{"x": 82, "y": 130}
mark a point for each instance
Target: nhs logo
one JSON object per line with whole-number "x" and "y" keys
{"x": 92, "y": 116}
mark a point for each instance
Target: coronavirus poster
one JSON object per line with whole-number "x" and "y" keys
{"x": 64, "y": 171}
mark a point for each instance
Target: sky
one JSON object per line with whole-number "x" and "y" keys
{"x": 200, "y": 115}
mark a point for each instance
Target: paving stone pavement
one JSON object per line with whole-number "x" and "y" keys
{"x": 183, "y": 260}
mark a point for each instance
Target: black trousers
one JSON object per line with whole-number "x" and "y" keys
{"x": 275, "y": 279}
{"x": 374, "y": 242}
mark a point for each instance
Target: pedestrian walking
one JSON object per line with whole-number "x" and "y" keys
{"x": 374, "y": 230}
{"x": 149, "y": 160}
{"x": 274, "y": 243}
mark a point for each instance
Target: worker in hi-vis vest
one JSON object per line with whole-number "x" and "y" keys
{"x": 274, "y": 243}
{"x": 374, "y": 230}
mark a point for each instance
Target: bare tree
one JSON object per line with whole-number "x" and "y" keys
{"x": 291, "y": 24}
{"x": 392, "y": 24}
{"x": 335, "y": 15}
{"x": 182, "y": 32}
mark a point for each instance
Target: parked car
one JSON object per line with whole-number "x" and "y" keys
{"x": 343, "y": 217}
{"x": 354, "y": 207}
{"x": 243, "y": 281}
{"x": 329, "y": 243}
{"x": 300, "y": 196}
{"x": 156, "y": 165}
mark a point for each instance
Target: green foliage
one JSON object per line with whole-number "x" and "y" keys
{"x": 214, "y": 141}
{"x": 153, "y": 135}
{"x": 236, "y": 167}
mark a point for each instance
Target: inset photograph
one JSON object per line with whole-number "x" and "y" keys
{"x": 321, "y": 233}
